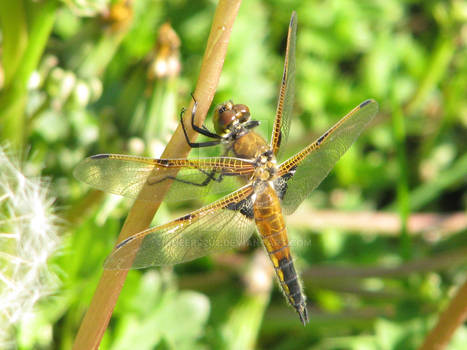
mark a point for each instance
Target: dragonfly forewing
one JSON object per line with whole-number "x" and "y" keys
{"x": 304, "y": 171}
{"x": 192, "y": 179}
{"x": 285, "y": 101}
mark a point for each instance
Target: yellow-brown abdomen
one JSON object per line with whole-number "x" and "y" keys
{"x": 271, "y": 225}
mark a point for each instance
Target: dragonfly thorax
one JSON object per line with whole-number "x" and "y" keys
{"x": 265, "y": 167}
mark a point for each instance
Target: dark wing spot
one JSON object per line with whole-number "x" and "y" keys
{"x": 281, "y": 188}
{"x": 100, "y": 156}
{"x": 364, "y": 103}
{"x": 122, "y": 243}
{"x": 186, "y": 217}
{"x": 318, "y": 142}
{"x": 162, "y": 161}
{"x": 244, "y": 206}
{"x": 292, "y": 19}
{"x": 284, "y": 77}
{"x": 286, "y": 177}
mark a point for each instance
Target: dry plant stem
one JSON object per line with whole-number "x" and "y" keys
{"x": 430, "y": 225}
{"x": 448, "y": 322}
{"x": 140, "y": 216}
{"x": 320, "y": 275}
{"x": 279, "y": 319}
{"x": 436, "y": 262}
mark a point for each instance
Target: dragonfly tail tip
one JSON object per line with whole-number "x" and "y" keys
{"x": 303, "y": 314}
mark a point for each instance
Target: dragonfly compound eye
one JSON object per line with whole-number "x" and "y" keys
{"x": 223, "y": 119}
{"x": 242, "y": 113}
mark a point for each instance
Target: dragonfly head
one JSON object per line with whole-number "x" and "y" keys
{"x": 229, "y": 116}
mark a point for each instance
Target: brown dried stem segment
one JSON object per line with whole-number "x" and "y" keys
{"x": 431, "y": 226}
{"x": 451, "y": 318}
{"x": 98, "y": 315}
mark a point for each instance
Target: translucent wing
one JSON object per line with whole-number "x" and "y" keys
{"x": 303, "y": 172}
{"x": 126, "y": 175}
{"x": 280, "y": 132}
{"x": 222, "y": 225}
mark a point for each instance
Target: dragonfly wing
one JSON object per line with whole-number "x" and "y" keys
{"x": 222, "y": 225}
{"x": 302, "y": 173}
{"x": 127, "y": 175}
{"x": 285, "y": 102}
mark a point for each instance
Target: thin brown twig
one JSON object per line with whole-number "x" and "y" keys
{"x": 278, "y": 319}
{"x": 451, "y": 318}
{"x": 431, "y": 225}
{"x": 436, "y": 262}
{"x": 320, "y": 274}
{"x": 140, "y": 216}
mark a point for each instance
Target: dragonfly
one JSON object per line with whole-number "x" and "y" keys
{"x": 268, "y": 189}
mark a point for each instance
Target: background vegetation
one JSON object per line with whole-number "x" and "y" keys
{"x": 382, "y": 241}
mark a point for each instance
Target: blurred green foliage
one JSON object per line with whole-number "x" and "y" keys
{"x": 90, "y": 92}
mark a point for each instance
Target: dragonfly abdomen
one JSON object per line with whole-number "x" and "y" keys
{"x": 271, "y": 226}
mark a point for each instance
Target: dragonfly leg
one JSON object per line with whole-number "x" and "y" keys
{"x": 210, "y": 176}
{"x": 201, "y": 130}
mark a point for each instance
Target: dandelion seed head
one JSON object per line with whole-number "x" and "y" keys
{"x": 28, "y": 237}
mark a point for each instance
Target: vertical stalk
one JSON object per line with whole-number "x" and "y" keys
{"x": 26, "y": 26}
{"x": 98, "y": 315}
{"x": 453, "y": 317}
{"x": 403, "y": 204}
